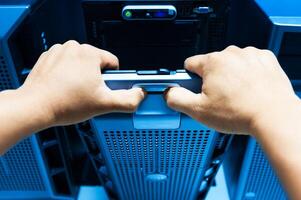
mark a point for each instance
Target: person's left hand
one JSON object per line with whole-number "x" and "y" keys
{"x": 67, "y": 84}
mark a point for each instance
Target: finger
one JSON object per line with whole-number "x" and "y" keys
{"x": 183, "y": 100}
{"x": 107, "y": 59}
{"x": 196, "y": 64}
{"x": 235, "y": 49}
{"x": 126, "y": 100}
{"x": 52, "y": 53}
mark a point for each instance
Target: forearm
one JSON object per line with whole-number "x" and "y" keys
{"x": 21, "y": 113}
{"x": 280, "y": 137}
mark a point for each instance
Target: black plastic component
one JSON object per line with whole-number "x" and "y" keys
{"x": 97, "y": 163}
{"x": 68, "y": 162}
{"x": 145, "y": 44}
{"x": 54, "y": 160}
{"x": 221, "y": 147}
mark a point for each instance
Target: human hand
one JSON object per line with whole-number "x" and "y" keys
{"x": 241, "y": 88}
{"x": 68, "y": 84}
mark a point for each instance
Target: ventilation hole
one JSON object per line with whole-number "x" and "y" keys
{"x": 5, "y": 80}
{"x": 262, "y": 178}
{"x": 188, "y": 144}
{"x": 19, "y": 170}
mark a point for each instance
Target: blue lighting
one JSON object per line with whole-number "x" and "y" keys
{"x": 160, "y": 14}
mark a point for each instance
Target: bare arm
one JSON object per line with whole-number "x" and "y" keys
{"x": 64, "y": 87}
{"x": 245, "y": 91}
{"x": 279, "y": 133}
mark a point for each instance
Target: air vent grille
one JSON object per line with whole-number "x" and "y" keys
{"x": 19, "y": 170}
{"x": 5, "y": 79}
{"x": 262, "y": 182}
{"x": 221, "y": 141}
{"x": 178, "y": 156}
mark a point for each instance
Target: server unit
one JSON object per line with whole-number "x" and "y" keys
{"x": 150, "y": 38}
{"x": 275, "y": 26}
{"x": 248, "y": 172}
{"x": 36, "y": 167}
{"x": 158, "y": 153}
{"x": 51, "y": 164}
{"x": 150, "y": 162}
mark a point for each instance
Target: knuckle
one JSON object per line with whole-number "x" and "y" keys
{"x": 71, "y": 43}
{"x": 90, "y": 52}
{"x": 213, "y": 56}
{"x": 72, "y": 48}
{"x": 251, "y": 49}
{"x": 86, "y": 46}
{"x": 268, "y": 52}
{"x": 54, "y": 47}
{"x": 232, "y": 48}
{"x": 44, "y": 54}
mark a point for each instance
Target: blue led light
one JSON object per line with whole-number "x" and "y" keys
{"x": 160, "y": 14}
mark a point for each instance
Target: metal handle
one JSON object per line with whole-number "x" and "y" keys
{"x": 153, "y": 112}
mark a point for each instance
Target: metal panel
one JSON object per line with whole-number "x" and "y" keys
{"x": 5, "y": 79}
{"x": 261, "y": 180}
{"x": 155, "y": 164}
{"x": 22, "y": 171}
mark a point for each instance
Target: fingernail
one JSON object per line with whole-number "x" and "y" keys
{"x": 144, "y": 91}
{"x": 165, "y": 92}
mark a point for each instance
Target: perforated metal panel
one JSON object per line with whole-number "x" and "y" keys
{"x": 221, "y": 141}
{"x": 5, "y": 79}
{"x": 19, "y": 169}
{"x": 262, "y": 182}
{"x": 157, "y": 164}
{"x": 20, "y": 173}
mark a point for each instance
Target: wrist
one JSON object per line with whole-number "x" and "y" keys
{"x": 275, "y": 115}
{"x": 36, "y": 104}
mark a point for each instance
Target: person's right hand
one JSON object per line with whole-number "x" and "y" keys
{"x": 241, "y": 87}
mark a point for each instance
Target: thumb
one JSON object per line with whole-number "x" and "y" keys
{"x": 126, "y": 100}
{"x": 185, "y": 101}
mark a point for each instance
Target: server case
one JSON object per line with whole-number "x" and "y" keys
{"x": 157, "y": 153}
{"x": 151, "y": 44}
{"x": 60, "y": 159}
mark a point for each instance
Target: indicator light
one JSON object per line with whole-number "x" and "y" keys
{"x": 128, "y": 14}
{"x": 149, "y": 12}
{"x": 160, "y": 14}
